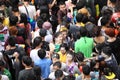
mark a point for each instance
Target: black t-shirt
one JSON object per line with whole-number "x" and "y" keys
{"x": 26, "y": 74}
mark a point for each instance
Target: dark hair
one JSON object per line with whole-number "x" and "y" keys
{"x": 65, "y": 46}
{"x": 83, "y": 32}
{"x": 58, "y": 64}
{"x": 79, "y": 56}
{"x": 40, "y": 22}
{"x": 57, "y": 34}
{"x": 27, "y": 0}
{"x": 27, "y": 60}
{"x": 44, "y": 17}
{"x": 13, "y": 31}
{"x": 13, "y": 20}
{"x": 79, "y": 17}
{"x": 44, "y": 9}
{"x": 11, "y": 41}
{"x": 97, "y": 31}
{"x": 72, "y": 54}
{"x": 80, "y": 4}
{"x": 69, "y": 77}
{"x": 85, "y": 19}
{"x": 86, "y": 69}
{"x": 113, "y": 1}
{"x": 47, "y": 79}
{"x": 43, "y": 32}
{"x": 15, "y": 9}
{"x": 107, "y": 50}
{"x": 107, "y": 11}
{"x": 55, "y": 55}
{"x": 58, "y": 73}
{"x": 42, "y": 53}
{"x": 2, "y": 64}
{"x": 37, "y": 41}
{"x": 2, "y": 3}
{"x": 23, "y": 18}
{"x": 37, "y": 72}
{"x": 104, "y": 20}
{"x": 61, "y": 3}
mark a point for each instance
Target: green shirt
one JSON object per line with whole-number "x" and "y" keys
{"x": 7, "y": 73}
{"x": 84, "y": 45}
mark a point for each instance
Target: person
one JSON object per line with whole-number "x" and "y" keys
{"x": 84, "y": 44}
{"x": 28, "y": 9}
{"x": 72, "y": 68}
{"x": 85, "y": 74}
{"x": 61, "y": 12}
{"x": 56, "y": 66}
{"x": 59, "y": 75}
{"x": 4, "y": 71}
{"x": 4, "y": 77}
{"x": 27, "y": 73}
{"x": 63, "y": 52}
{"x": 43, "y": 63}
{"x": 36, "y": 46}
{"x": 56, "y": 58}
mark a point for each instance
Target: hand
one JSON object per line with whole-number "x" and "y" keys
{"x": 16, "y": 54}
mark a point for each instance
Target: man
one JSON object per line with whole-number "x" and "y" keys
{"x": 44, "y": 63}
{"x": 28, "y": 9}
{"x": 27, "y": 73}
{"x": 62, "y": 12}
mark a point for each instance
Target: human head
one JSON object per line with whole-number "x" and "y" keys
{"x": 57, "y": 65}
{"x": 69, "y": 77}
{"x": 79, "y": 56}
{"x": 2, "y": 64}
{"x": 105, "y": 20}
{"x": 62, "y": 6}
{"x": 37, "y": 42}
{"x": 55, "y": 57}
{"x": 80, "y": 4}
{"x": 63, "y": 48}
{"x": 79, "y": 17}
{"x": 86, "y": 69}
{"x": 40, "y": 23}
{"x": 47, "y": 25}
{"x": 41, "y": 53}
{"x": 13, "y": 31}
{"x": 59, "y": 74}
{"x": 37, "y": 71}
{"x": 11, "y": 41}
{"x": 70, "y": 56}
{"x": 58, "y": 37}
{"x": 110, "y": 32}
{"x": 26, "y": 61}
{"x": 106, "y": 52}
{"x": 13, "y": 20}
{"x": 83, "y": 32}
{"x": 43, "y": 32}
{"x": 23, "y": 18}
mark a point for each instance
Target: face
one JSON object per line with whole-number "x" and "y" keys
{"x": 62, "y": 7}
{"x": 59, "y": 38}
{"x": 69, "y": 57}
{"x": 62, "y": 50}
{"x": 54, "y": 60}
{"x": 64, "y": 34}
{"x": 55, "y": 68}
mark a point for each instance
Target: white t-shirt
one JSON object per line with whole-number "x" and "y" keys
{"x": 31, "y": 10}
{"x": 4, "y": 77}
{"x": 34, "y": 55}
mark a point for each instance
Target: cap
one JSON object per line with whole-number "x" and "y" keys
{"x": 110, "y": 76}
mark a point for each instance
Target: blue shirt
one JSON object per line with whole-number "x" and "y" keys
{"x": 44, "y": 64}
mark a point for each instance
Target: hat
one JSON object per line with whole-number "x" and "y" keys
{"x": 110, "y": 76}
{"x": 47, "y": 25}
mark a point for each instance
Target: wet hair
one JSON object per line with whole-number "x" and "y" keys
{"x": 43, "y": 32}
{"x": 13, "y": 20}
{"x": 69, "y": 77}
{"x": 107, "y": 50}
{"x": 65, "y": 46}
{"x": 58, "y": 64}
{"x": 37, "y": 41}
{"x": 79, "y": 17}
{"x": 83, "y": 32}
{"x": 23, "y": 18}
{"x": 27, "y": 60}
{"x": 41, "y": 53}
{"x": 11, "y": 41}
{"x": 80, "y": 4}
{"x": 58, "y": 73}
{"x": 86, "y": 69}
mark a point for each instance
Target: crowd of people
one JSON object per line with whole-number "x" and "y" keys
{"x": 59, "y": 40}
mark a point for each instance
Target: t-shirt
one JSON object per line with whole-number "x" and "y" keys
{"x": 26, "y": 74}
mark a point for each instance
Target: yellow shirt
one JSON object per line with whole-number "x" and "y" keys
{"x": 6, "y": 22}
{"x": 62, "y": 57}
